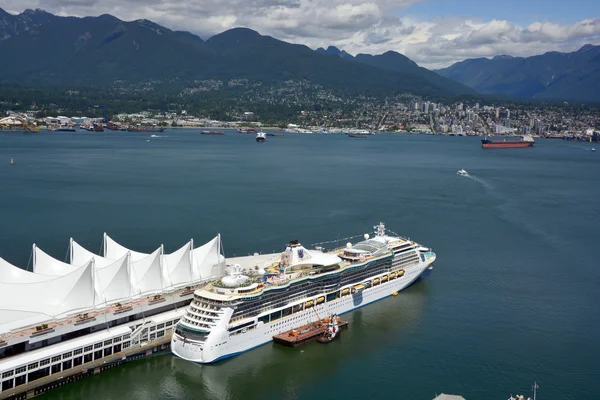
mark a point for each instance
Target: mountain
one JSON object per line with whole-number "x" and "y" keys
{"x": 13, "y": 25}
{"x": 100, "y": 50}
{"x": 399, "y": 63}
{"x": 334, "y": 51}
{"x": 551, "y": 76}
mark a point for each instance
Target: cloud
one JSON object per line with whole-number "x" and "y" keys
{"x": 357, "y": 26}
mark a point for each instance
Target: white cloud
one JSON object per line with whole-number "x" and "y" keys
{"x": 367, "y": 26}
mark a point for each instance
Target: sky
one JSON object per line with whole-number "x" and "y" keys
{"x": 433, "y": 33}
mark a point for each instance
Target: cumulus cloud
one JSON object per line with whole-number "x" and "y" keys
{"x": 357, "y": 26}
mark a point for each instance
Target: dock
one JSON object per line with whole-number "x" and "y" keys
{"x": 304, "y": 334}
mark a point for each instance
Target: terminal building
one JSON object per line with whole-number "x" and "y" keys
{"x": 64, "y": 319}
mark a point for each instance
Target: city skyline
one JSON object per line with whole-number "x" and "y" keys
{"x": 433, "y": 33}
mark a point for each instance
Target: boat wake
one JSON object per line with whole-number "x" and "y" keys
{"x": 158, "y": 136}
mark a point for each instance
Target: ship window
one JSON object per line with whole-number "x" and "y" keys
{"x": 286, "y": 312}
{"x": 264, "y": 319}
{"x": 276, "y": 315}
{"x": 297, "y": 308}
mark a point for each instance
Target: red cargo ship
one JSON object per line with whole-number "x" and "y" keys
{"x": 525, "y": 141}
{"x": 212, "y": 133}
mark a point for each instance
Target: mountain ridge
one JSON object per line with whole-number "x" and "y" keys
{"x": 103, "y": 49}
{"x": 573, "y": 76}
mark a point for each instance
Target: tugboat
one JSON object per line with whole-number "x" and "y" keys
{"x": 261, "y": 137}
{"x": 332, "y": 331}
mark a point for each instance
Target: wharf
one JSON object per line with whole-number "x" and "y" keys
{"x": 304, "y": 334}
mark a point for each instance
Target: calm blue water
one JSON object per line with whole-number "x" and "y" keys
{"x": 514, "y": 294}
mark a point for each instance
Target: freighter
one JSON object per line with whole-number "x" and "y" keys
{"x": 525, "y": 141}
{"x": 265, "y": 295}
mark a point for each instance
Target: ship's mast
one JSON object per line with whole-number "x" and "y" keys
{"x": 535, "y": 388}
{"x": 380, "y": 229}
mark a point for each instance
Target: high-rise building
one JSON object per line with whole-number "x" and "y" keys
{"x": 497, "y": 112}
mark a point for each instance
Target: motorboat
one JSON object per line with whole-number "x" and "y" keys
{"x": 261, "y": 137}
{"x": 462, "y": 172}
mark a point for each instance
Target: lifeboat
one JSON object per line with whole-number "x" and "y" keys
{"x": 384, "y": 278}
{"x": 392, "y": 275}
{"x": 375, "y": 281}
{"x": 345, "y": 291}
{"x": 320, "y": 300}
{"x": 358, "y": 288}
{"x": 309, "y": 304}
{"x": 400, "y": 273}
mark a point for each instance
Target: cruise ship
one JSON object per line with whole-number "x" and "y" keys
{"x": 265, "y": 295}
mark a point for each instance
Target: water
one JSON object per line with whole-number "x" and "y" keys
{"x": 512, "y": 299}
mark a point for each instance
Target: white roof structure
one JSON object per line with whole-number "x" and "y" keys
{"x": 45, "y": 264}
{"x": 56, "y": 288}
{"x": 38, "y": 301}
{"x": 114, "y": 250}
{"x": 12, "y": 274}
{"x": 295, "y": 255}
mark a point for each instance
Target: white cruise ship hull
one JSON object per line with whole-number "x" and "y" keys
{"x": 220, "y": 344}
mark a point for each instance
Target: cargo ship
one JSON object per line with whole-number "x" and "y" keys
{"x": 525, "y": 141}
{"x": 249, "y": 130}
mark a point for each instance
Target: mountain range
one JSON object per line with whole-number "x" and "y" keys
{"x": 44, "y": 49}
{"x": 551, "y": 76}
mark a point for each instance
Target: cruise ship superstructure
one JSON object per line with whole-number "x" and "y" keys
{"x": 62, "y": 319}
{"x": 265, "y": 295}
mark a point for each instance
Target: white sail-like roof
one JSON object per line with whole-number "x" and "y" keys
{"x": 45, "y": 264}
{"x": 208, "y": 261}
{"x": 177, "y": 266}
{"x": 12, "y": 274}
{"x": 114, "y": 282}
{"x": 80, "y": 255}
{"x": 114, "y": 250}
{"x": 148, "y": 275}
{"x": 22, "y": 301}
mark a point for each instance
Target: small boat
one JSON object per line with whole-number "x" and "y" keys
{"x": 592, "y": 149}
{"x": 332, "y": 331}
{"x": 261, "y": 137}
{"x": 462, "y": 172}
{"x": 212, "y": 133}
{"x": 12, "y": 161}
{"x": 274, "y": 134}
{"x": 66, "y": 128}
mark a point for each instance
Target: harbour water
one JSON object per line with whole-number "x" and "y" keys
{"x": 513, "y": 296}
